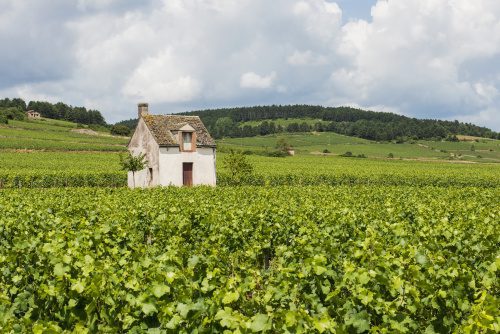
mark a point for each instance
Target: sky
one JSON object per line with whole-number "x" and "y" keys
{"x": 420, "y": 58}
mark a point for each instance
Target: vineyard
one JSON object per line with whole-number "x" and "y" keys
{"x": 346, "y": 259}
{"x": 314, "y": 243}
{"x": 42, "y": 169}
{"x": 55, "y": 135}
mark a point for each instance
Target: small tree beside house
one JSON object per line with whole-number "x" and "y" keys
{"x": 133, "y": 164}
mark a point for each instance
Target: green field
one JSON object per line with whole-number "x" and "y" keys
{"x": 355, "y": 170}
{"x": 250, "y": 259}
{"x": 54, "y": 135}
{"x": 33, "y": 154}
{"x": 40, "y": 168}
{"x": 486, "y": 150}
{"x": 44, "y": 161}
{"x": 314, "y": 243}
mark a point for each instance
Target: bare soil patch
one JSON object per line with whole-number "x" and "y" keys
{"x": 85, "y": 132}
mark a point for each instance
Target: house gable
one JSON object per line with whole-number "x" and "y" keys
{"x": 187, "y": 128}
{"x": 143, "y": 141}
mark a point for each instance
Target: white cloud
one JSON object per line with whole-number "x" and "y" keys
{"x": 321, "y": 19}
{"x": 158, "y": 80}
{"x": 253, "y": 80}
{"x": 30, "y": 93}
{"x": 94, "y": 4}
{"x": 305, "y": 58}
{"x": 487, "y": 91}
{"x": 425, "y": 58}
{"x": 413, "y": 54}
{"x": 488, "y": 117}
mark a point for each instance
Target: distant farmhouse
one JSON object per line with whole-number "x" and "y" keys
{"x": 179, "y": 151}
{"x": 33, "y": 114}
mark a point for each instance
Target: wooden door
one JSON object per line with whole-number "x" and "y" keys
{"x": 187, "y": 174}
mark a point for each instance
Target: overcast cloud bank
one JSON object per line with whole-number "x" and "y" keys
{"x": 422, "y": 58}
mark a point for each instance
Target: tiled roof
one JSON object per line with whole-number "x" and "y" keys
{"x": 161, "y": 126}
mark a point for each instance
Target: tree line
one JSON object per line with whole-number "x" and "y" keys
{"x": 343, "y": 120}
{"x": 380, "y": 126}
{"x": 58, "y": 110}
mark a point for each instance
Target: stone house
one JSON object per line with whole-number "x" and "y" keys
{"x": 179, "y": 151}
{"x": 33, "y": 114}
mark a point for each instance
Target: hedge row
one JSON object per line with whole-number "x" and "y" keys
{"x": 119, "y": 179}
{"x": 352, "y": 179}
{"x": 62, "y": 179}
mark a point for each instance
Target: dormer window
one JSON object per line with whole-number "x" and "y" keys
{"x": 187, "y": 141}
{"x": 186, "y": 136}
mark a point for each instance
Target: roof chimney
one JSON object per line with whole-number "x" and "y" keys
{"x": 143, "y": 109}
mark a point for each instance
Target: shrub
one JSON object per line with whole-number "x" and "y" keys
{"x": 326, "y": 150}
{"x": 400, "y": 140}
{"x": 283, "y": 146}
{"x": 62, "y": 179}
{"x": 98, "y": 127}
{"x": 238, "y": 165}
{"x": 120, "y": 130}
{"x": 390, "y": 155}
{"x": 347, "y": 154}
{"x": 276, "y": 154}
{"x": 12, "y": 113}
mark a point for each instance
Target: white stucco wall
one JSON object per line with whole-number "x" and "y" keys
{"x": 142, "y": 141}
{"x": 141, "y": 179}
{"x": 170, "y": 166}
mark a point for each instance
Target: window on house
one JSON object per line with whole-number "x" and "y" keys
{"x": 187, "y": 138}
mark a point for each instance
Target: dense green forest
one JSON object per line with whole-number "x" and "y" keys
{"x": 130, "y": 123}
{"x": 58, "y": 110}
{"x": 343, "y": 120}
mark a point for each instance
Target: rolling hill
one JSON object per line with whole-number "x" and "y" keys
{"x": 58, "y": 152}
{"x": 327, "y": 143}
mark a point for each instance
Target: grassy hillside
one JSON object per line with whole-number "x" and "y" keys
{"x": 51, "y": 150}
{"x": 58, "y": 161}
{"x": 56, "y": 135}
{"x": 314, "y": 143}
{"x": 55, "y": 153}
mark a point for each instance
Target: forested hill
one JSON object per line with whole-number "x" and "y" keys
{"x": 58, "y": 110}
{"x": 264, "y": 120}
{"x": 349, "y": 121}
